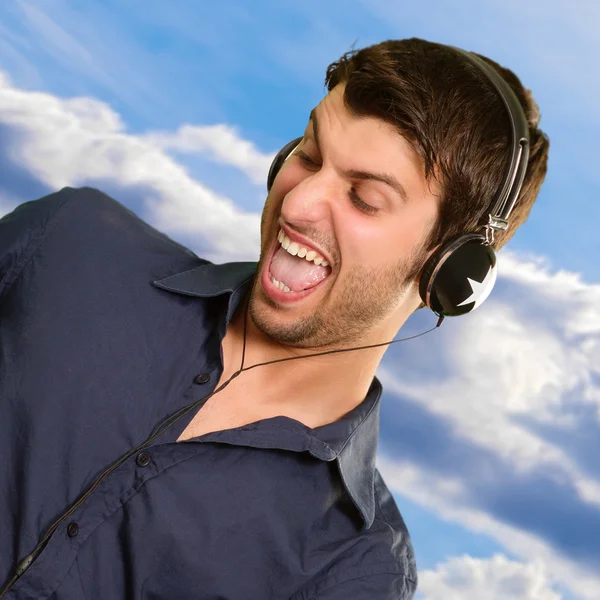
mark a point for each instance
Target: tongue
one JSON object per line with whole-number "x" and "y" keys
{"x": 297, "y": 273}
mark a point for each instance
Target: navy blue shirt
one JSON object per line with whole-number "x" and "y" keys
{"x": 107, "y": 328}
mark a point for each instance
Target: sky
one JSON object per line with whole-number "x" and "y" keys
{"x": 490, "y": 425}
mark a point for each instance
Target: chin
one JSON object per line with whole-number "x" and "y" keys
{"x": 282, "y": 326}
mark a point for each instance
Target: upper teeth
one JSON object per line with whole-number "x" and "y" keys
{"x": 296, "y": 250}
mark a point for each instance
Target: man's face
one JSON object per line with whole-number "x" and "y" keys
{"x": 368, "y": 231}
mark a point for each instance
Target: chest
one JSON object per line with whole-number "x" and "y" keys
{"x": 236, "y": 405}
{"x": 217, "y": 414}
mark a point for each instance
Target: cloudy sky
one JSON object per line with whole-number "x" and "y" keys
{"x": 490, "y": 426}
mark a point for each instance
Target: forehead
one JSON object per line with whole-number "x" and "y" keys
{"x": 364, "y": 142}
{"x": 331, "y": 118}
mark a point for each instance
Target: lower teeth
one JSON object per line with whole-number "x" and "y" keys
{"x": 280, "y": 285}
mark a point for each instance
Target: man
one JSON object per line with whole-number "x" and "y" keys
{"x": 139, "y": 460}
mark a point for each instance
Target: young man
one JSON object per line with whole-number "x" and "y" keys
{"x": 139, "y": 462}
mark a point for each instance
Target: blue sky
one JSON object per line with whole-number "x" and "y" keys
{"x": 490, "y": 425}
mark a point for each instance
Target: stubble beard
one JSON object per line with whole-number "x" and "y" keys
{"x": 364, "y": 298}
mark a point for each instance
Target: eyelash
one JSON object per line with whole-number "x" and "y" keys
{"x": 354, "y": 197}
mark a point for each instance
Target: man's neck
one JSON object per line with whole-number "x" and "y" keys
{"x": 315, "y": 390}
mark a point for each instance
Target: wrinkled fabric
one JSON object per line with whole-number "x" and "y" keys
{"x": 107, "y": 328}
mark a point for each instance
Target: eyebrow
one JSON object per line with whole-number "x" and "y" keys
{"x": 386, "y": 178}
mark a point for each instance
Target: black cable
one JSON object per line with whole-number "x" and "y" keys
{"x": 328, "y": 351}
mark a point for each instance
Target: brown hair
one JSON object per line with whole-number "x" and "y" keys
{"x": 454, "y": 118}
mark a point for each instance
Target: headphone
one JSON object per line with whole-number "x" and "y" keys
{"x": 460, "y": 275}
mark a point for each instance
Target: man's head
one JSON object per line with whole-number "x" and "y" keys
{"x": 425, "y": 119}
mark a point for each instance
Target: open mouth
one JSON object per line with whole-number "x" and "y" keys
{"x": 294, "y": 270}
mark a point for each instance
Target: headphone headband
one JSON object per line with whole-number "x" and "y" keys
{"x": 505, "y": 201}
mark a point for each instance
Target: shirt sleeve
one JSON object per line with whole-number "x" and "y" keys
{"x": 23, "y": 230}
{"x": 378, "y": 586}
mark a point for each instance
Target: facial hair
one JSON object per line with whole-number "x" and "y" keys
{"x": 364, "y": 298}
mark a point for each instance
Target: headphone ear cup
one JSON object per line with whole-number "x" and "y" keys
{"x": 459, "y": 276}
{"x": 279, "y": 159}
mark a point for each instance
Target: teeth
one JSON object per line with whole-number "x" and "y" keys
{"x": 296, "y": 250}
{"x": 280, "y": 285}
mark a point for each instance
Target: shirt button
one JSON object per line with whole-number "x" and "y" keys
{"x": 72, "y": 529}
{"x": 204, "y": 378}
{"x": 142, "y": 459}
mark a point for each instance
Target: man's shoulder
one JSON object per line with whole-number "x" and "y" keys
{"x": 30, "y": 223}
{"x": 82, "y": 224}
{"x": 88, "y": 211}
{"x": 84, "y": 206}
{"x": 80, "y": 212}
{"x": 94, "y": 216}
{"x": 37, "y": 213}
{"x": 24, "y": 229}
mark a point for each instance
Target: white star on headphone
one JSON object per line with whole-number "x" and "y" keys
{"x": 481, "y": 290}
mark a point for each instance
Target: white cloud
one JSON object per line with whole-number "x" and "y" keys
{"x": 76, "y": 140}
{"x": 221, "y": 143}
{"x": 497, "y": 578}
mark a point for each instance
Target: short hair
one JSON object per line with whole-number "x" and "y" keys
{"x": 452, "y": 115}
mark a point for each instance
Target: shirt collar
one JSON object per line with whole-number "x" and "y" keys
{"x": 352, "y": 440}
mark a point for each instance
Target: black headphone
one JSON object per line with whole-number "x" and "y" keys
{"x": 460, "y": 275}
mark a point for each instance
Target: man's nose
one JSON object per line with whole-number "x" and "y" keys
{"x": 310, "y": 201}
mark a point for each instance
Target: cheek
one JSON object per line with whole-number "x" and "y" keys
{"x": 268, "y": 217}
{"x": 364, "y": 237}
